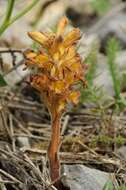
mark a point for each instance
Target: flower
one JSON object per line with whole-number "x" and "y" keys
{"x": 58, "y": 66}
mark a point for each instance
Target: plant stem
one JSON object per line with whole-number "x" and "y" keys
{"x": 7, "y": 21}
{"x": 9, "y": 10}
{"x": 53, "y": 150}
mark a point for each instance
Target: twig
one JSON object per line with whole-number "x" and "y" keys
{"x": 31, "y": 136}
{"x": 86, "y": 147}
{"x": 3, "y": 117}
{"x": 37, "y": 171}
{"x": 10, "y": 176}
{"x": 12, "y": 132}
{"x": 7, "y": 181}
{"x": 20, "y": 125}
{"x": 11, "y": 51}
{"x": 38, "y": 125}
{"x": 43, "y": 152}
{"x": 24, "y": 107}
{"x": 2, "y": 185}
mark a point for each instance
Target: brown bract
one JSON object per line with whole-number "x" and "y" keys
{"x": 58, "y": 66}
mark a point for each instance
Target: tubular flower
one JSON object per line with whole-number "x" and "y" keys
{"x": 57, "y": 69}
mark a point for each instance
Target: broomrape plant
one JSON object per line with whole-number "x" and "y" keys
{"x": 58, "y": 68}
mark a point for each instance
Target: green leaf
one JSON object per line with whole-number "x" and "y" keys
{"x": 2, "y": 81}
{"x": 108, "y": 186}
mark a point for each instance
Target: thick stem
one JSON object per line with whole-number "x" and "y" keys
{"x": 53, "y": 150}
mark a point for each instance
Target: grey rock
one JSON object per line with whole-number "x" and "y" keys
{"x": 79, "y": 177}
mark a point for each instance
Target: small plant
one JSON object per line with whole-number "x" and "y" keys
{"x": 57, "y": 70}
{"x": 92, "y": 94}
{"x": 112, "y": 49}
{"x": 110, "y": 186}
{"x": 8, "y": 19}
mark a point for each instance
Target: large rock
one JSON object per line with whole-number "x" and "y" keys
{"x": 79, "y": 177}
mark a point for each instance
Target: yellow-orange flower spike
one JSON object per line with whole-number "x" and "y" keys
{"x": 57, "y": 66}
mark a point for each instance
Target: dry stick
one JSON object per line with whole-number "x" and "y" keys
{"x": 2, "y": 185}
{"x": 37, "y": 171}
{"x": 67, "y": 155}
{"x": 24, "y": 107}
{"x": 43, "y": 152}
{"x": 30, "y": 164}
{"x": 5, "y": 122}
{"x": 13, "y": 117}
{"x": 6, "y": 181}
{"x": 30, "y": 103}
{"x": 66, "y": 120}
{"x": 20, "y": 125}
{"x": 70, "y": 156}
{"x": 11, "y": 155}
{"x": 86, "y": 147}
{"x": 31, "y": 136}
{"x": 39, "y": 125}
{"x": 5, "y": 105}
{"x": 10, "y": 176}
{"x": 95, "y": 153}
{"x": 11, "y": 51}
{"x": 45, "y": 132}
{"x": 12, "y": 132}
